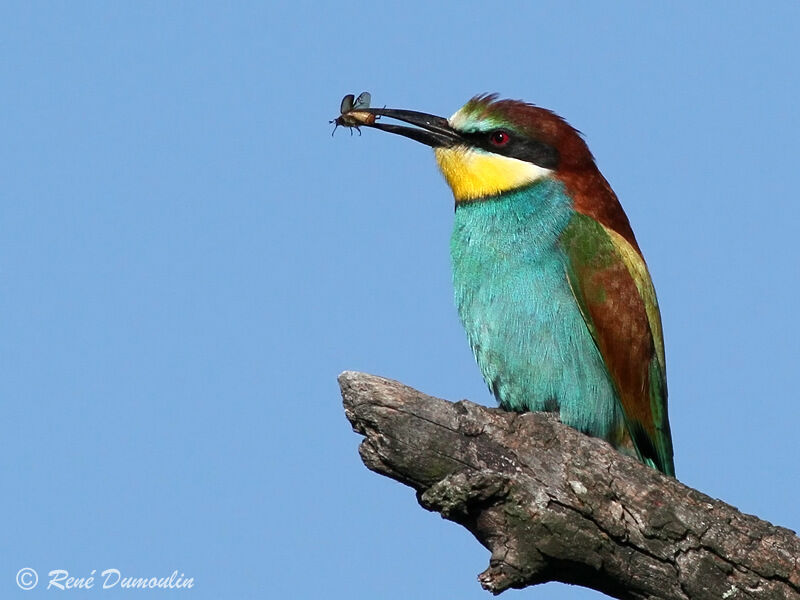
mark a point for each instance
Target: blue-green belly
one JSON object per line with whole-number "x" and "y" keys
{"x": 521, "y": 318}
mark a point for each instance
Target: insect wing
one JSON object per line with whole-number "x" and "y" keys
{"x": 363, "y": 100}
{"x": 347, "y": 103}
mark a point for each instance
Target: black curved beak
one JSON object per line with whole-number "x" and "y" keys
{"x": 430, "y": 130}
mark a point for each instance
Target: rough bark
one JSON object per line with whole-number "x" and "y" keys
{"x": 552, "y": 504}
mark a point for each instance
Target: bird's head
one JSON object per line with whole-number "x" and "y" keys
{"x": 491, "y": 146}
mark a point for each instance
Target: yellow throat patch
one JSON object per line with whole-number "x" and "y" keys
{"x": 473, "y": 174}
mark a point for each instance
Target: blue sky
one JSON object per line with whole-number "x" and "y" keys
{"x": 188, "y": 260}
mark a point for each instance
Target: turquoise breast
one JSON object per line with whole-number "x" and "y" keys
{"x": 521, "y": 318}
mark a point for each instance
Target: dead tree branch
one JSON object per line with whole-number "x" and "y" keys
{"x": 552, "y": 504}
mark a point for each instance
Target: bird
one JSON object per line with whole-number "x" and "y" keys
{"x": 550, "y": 283}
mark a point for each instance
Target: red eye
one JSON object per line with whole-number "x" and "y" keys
{"x": 499, "y": 138}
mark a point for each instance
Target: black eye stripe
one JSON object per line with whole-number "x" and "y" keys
{"x": 522, "y": 148}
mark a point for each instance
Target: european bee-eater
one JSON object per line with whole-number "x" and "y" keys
{"x": 550, "y": 283}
